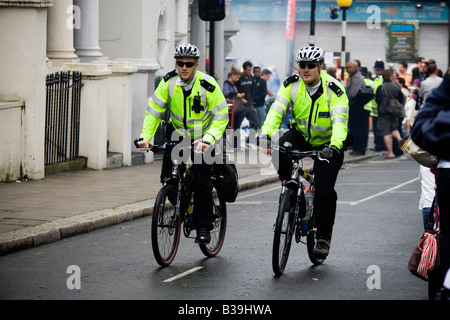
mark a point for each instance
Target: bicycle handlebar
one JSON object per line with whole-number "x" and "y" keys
{"x": 167, "y": 145}
{"x": 314, "y": 154}
{"x": 154, "y": 148}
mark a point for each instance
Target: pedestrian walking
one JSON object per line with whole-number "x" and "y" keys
{"x": 404, "y": 74}
{"x": 431, "y": 82}
{"x": 378, "y": 68}
{"x": 245, "y": 85}
{"x": 368, "y": 107}
{"x": 431, "y": 131}
{"x": 259, "y": 92}
{"x": 388, "y": 123}
{"x": 358, "y": 117}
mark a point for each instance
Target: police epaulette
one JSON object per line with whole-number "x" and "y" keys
{"x": 333, "y": 86}
{"x": 208, "y": 86}
{"x": 290, "y": 80}
{"x": 169, "y": 75}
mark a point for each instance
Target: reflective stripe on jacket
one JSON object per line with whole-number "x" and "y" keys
{"x": 323, "y": 123}
{"x": 208, "y": 124}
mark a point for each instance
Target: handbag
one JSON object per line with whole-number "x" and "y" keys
{"x": 394, "y": 107}
{"x": 238, "y": 104}
{"x": 421, "y": 156}
{"x": 425, "y": 261}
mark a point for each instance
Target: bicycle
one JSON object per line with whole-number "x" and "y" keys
{"x": 173, "y": 208}
{"x": 295, "y": 212}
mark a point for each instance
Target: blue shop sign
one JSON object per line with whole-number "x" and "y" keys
{"x": 273, "y": 10}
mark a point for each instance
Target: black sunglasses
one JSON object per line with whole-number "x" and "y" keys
{"x": 181, "y": 64}
{"x": 310, "y": 66}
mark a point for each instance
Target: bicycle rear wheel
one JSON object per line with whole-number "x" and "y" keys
{"x": 166, "y": 226}
{"x": 218, "y": 233}
{"x": 284, "y": 229}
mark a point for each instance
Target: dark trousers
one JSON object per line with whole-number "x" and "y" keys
{"x": 358, "y": 125}
{"x": 395, "y": 145}
{"x": 253, "y": 119}
{"x": 443, "y": 192}
{"x": 378, "y": 140}
{"x": 202, "y": 188}
{"x": 325, "y": 196}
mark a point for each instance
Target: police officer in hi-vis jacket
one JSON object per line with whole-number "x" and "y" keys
{"x": 319, "y": 110}
{"x": 198, "y": 113}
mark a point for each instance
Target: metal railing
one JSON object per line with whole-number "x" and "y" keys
{"x": 62, "y": 116}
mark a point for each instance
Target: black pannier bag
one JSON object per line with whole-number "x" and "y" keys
{"x": 227, "y": 180}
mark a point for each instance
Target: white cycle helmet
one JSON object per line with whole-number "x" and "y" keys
{"x": 186, "y": 50}
{"x": 310, "y": 53}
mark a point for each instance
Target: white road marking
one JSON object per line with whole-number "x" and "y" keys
{"x": 255, "y": 193}
{"x": 183, "y": 274}
{"x": 385, "y": 191}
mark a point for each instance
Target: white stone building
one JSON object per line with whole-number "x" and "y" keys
{"x": 118, "y": 46}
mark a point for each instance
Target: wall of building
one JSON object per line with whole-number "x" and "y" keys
{"x": 262, "y": 35}
{"x": 97, "y": 38}
{"x": 264, "y": 43}
{"x": 22, "y": 65}
{"x": 138, "y": 29}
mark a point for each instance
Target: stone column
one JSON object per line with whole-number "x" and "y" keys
{"x": 219, "y": 51}
{"x": 198, "y": 34}
{"x": 23, "y": 26}
{"x": 94, "y": 110}
{"x": 119, "y": 110}
{"x": 86, "y": 35}
{"x": 60, "y": 33}
{"x": 143, "y": 86}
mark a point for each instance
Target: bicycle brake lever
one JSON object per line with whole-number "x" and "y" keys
{"x": 322, "y": 159}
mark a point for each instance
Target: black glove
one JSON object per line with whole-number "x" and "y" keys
{"x": 329, "y": 151}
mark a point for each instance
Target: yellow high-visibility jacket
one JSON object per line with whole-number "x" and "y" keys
{"x": 208, "y": 124}
{"x": 377, "y": 83}
{"x": 323, "y": 123}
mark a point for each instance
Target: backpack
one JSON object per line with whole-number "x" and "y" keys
{"x": 364, "y": 95}
{"x": 227, "y": 181}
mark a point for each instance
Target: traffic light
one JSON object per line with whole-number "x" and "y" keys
{"x": 334, "y": 13}
{"x": 211, "y": 10}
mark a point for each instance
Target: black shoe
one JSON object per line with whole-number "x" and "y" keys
{"x": 322, "y": 248}
{"x": 203, "y": 236}
{"x": 357, "y": 153}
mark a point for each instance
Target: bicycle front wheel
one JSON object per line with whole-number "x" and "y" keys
{"x": 284, "y": 229}
{"x": 166, "y": 226}
{"x": 218, "y": 232}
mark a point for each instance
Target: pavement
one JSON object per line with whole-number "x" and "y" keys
{"x": 36, "y": 212}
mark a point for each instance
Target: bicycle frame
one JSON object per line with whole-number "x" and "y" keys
{"x": 175, "y": 197}
{"x": 184, "y": 193}
{"x": 292, "y": 212}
